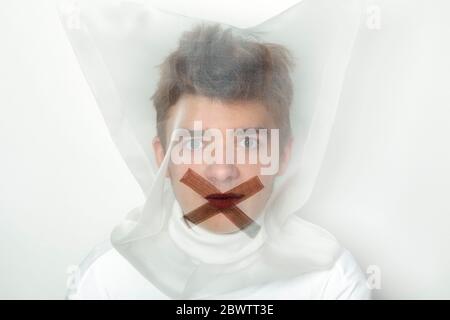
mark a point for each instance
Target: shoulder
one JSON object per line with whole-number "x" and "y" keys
{"x": 106, "y": 274}
{"x": 346, "y": 280}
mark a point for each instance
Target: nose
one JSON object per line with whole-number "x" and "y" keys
{"x": 221, "y": 174}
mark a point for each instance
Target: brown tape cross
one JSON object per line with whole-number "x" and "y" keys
{"x": 233, "y": 213}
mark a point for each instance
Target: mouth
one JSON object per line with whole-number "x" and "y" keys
{"x": 223, "y": 200}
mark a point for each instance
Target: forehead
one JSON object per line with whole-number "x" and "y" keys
{"x": 214, "y": 113}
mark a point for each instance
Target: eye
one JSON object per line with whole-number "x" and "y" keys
{"x": 249, "y": 143}
{"x": 193, "y": 144}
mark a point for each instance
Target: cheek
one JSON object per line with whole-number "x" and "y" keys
{"x": 267, "y": 180}
{"x": 265, "y": 194}
{"x": 268, "y": 185}
{"x": 176, "y": 171}
{"x": 247, "y": 171}
{"x": 187, "y": 198}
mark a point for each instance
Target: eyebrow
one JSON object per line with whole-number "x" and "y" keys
{"x": 198, "y": 132}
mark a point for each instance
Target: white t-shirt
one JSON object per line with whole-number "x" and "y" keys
{"x": 106, "y": 274}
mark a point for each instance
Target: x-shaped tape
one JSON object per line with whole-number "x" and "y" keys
{"x": 222, "y": 202}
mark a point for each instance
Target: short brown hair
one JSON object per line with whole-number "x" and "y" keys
{"x": 216, "y": 63}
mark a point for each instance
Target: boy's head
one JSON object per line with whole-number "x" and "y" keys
{"x": 224, "y": 82}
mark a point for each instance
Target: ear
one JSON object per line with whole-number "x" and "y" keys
{"x": 159, "y": 152}
{"x": 285, "y": 156}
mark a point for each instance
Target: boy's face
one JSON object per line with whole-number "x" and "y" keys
{"x": 221, "y": 116}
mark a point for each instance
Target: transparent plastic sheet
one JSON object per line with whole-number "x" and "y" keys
{"x": 119, "y": 45}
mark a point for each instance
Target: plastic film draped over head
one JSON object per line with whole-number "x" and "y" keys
{"x": 121, "y": 46}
